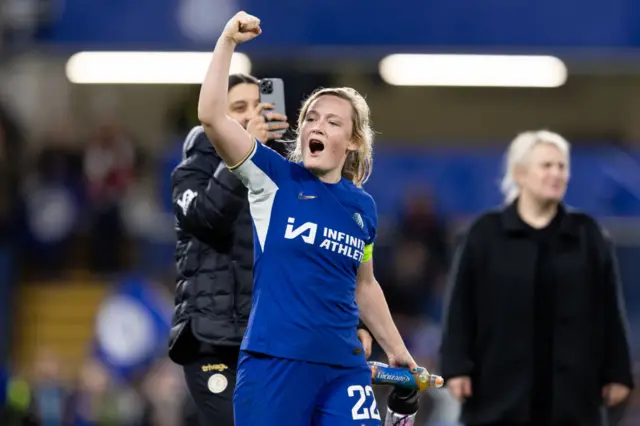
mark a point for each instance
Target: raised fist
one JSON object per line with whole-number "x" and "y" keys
{"x": 242, "y": 27}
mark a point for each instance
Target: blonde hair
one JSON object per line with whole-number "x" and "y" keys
{"x": 359, "y": 164}
{"x": 518, "y": 154}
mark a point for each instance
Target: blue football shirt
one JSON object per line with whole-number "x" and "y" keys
{"x": 310, "y": 238}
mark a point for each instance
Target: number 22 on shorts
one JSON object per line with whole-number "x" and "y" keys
{"x": 359, "y": 410}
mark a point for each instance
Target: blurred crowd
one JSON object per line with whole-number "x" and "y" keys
{"x": 94, "y": 398}
{"x": 78, "y": 201}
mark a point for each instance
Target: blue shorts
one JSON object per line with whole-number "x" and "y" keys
{"x": 280, "y": 392}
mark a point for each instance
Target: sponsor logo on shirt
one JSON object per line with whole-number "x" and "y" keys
{"x": 332, "y": 240}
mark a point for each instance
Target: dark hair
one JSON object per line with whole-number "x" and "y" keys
{"x": 239, "y": 78}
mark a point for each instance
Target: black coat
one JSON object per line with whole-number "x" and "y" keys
{"x": 488, "y": 333}
{"x": 214, "y": 252}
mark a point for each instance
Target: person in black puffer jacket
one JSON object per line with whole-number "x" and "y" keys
{"x": 214, "y": 256}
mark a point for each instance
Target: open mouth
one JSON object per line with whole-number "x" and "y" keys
{"x": 315, "y": 146}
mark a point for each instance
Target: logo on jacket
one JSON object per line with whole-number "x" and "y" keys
{"x": 214, "y": 367}
{"x": 186, "y": 199}
{"x": 217, "y": 383}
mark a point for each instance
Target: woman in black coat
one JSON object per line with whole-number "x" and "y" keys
{"x": 535, "y": 331}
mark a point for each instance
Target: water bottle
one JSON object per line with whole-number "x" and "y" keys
{"x": 402, "y": 407}
{"x": 382, "y": 374}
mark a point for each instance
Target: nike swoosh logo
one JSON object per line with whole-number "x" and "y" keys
{"x": 301, "y": 196}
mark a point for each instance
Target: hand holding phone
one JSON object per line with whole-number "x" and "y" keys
{"x": 272, "y": 93}
{"x": 267, "y": 125}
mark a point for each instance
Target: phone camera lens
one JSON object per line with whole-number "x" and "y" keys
{"x": 266, "y": 87}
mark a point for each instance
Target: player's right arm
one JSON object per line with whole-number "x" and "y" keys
{"x": 205, "y": 202}
{"x": 260, "y": 168}
{"x": 232, "y": 142}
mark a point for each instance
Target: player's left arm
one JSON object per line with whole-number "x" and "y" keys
{"x": 375, "y": 313}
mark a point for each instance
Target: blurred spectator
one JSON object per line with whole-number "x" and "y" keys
{"x": 165, "y": 392}
{"x": 53, "y": 195}
{"x": 149, "y": 228}
{"x": 535, "y": 332}
{"x": 60, "y": 158}
{"x": 421, "y": 222}
{"x": 418, "y": 260}
{"x": 15, "y": 411}
{"x": 98, "y": 401}
{"x": 48, "y": 391}
{"x": 109, "y": 168}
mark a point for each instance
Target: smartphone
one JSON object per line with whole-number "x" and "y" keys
{"x": 272, "y": 91}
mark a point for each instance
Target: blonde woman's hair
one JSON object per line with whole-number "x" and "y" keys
{"x": 518, "y": 154}
{"x": 359, "y": 164}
